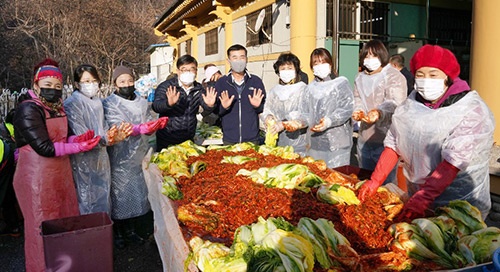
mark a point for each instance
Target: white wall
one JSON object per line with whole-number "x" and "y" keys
{"x": 161, "y": 61}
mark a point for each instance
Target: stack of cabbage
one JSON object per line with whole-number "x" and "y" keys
{"x": 172, "y": 162}
{"x": 456, "y": 238}
{"x": 205, "y": 131}
{"x": 287, "y": 175}
{"x": 276, "y": 245}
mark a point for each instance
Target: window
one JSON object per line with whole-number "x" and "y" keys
{"x": 211, "y": 42}
{"x": 372, "y": 19}
{"x": 265, "y": 33}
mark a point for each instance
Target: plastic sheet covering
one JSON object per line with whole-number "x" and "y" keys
{"x": 461, "y": 134}
{"x": 383, "y": 91}
{"x": 333, "y": 99}
{"x": 91, "y": 170}
{"x": 283, "y": 103}
{"x": 168, "y": 236}
{"x": 128, "y": 189}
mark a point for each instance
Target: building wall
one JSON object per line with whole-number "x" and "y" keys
{"x": 405, "y": 20}
{"x": 161, "y": 61}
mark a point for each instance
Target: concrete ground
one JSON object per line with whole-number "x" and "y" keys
{"x": 130, "y": 259}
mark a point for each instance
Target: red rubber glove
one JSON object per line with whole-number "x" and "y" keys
{"x": 73, "y": 148}
{"x": 82, "y": 137}
{"x": 149, "y": 127}
{"x": 385, "y": 164}
{"x": 434, "y": 186}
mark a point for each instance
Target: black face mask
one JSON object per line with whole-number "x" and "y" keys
{"x": 51, "y": 95}
{"x": 126, "y": 91}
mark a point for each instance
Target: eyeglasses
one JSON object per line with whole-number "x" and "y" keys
{"x": 192, "y": 70}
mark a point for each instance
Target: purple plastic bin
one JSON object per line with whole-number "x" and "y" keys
{"x": 78, "y": 243}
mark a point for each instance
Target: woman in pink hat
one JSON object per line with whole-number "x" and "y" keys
{"x": 443, "y": 133}
{"x": 43, "y": 180}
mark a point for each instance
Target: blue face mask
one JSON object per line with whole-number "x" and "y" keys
{"x": 51, "y": 95}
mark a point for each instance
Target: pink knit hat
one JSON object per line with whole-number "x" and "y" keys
{"x": 437, "y": 57}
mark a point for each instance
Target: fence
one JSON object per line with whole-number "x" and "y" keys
{"x": 9, "y": 99}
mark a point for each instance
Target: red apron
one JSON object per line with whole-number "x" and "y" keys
{"x": 45, "y": 190}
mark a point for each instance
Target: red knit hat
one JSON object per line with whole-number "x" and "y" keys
{"x": 47, "y": 68}
{"x": 437, "y": 57}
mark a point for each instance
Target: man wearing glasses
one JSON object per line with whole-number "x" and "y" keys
{"x": 180, "y": 98}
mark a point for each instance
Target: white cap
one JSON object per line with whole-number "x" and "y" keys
{"x": 210, "y": 71}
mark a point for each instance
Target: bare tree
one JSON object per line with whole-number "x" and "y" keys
{"x": 104, "y": 33}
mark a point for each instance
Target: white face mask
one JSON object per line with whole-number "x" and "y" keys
{"x": 430, "y": 88}
{"x": 322, "y": 70}
{"x": 187, "y": 78}
{"x": 287, "y": 75}
{"x": 89, "y": 89}
{"x": 372, "y": 64}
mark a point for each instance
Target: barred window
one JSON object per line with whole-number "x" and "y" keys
{"x": 211, "y": 42}
{"x": 265, "y": 33}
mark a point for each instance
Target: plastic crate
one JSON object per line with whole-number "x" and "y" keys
{"x": 79, "y": 243}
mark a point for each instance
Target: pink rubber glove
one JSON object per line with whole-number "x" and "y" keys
{"x": 73, "y": 148}
{"x": 386, "y": 163}
{"x": 82, "y": 137}
{"x": 149, "y": 127}
{"x": 434, "y": 186}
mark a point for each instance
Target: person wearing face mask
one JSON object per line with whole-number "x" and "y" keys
{"x": 283, "y": 101}
{"x": 179, "y": 99}
{"x": 443, "y": 133}
{"x": 327, "y": 109}
{"x": 91, "y": 169}
{"x": 378, "y": 89}
{"x": 241, "y": 100}
{"x": 129, "y": 195}
{"x": 43, "y": 180}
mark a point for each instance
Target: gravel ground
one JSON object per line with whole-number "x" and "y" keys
{"x": 132, "y": 258}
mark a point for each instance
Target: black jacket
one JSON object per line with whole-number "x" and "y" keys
{"x": 182, "y": 120}
{"x": 30, "y": 128}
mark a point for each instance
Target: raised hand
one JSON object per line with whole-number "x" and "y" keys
{"x": 210, "y": 97}
{"x": 256, "y": 98}
{"x": 172, "y": 95}
{"x": 225, "y": 100}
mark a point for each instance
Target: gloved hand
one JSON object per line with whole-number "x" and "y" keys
{"x": 275, "y": 125}
{"x": 149, "y": 127}
{"x": 434, "y": 186}
{"x": 117, "y": 134}
{"x": 357, "y": 115}
{"x": 386, "y": 163}
{"x": 292, "y": 125}
{"x": 89, "y": 134}
{"x": 323, "y": 124}
{"x": 371, "y": 117}
{"x": 62, "y": 148}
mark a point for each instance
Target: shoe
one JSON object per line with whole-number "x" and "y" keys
{"x": 118, "y": 239}
{"x": 119, "y": 242}
{"x": 13, "y": 232}
{"x": 133, "y": 238}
